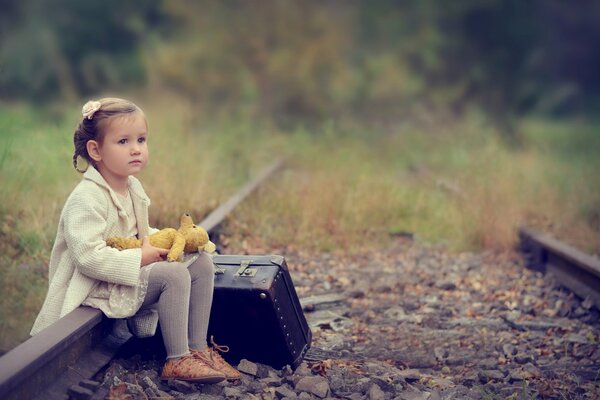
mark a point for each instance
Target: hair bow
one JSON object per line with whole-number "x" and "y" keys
{"x": 90, "y": 108}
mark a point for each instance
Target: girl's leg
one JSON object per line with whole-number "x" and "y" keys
{"x": 202, "y": 275}
{"x": 169, "y": 284}
{"x": 203, "y": 281}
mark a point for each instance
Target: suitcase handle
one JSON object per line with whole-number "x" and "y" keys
{"x": 245, "y": 269}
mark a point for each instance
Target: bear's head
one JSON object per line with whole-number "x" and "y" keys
{"x": 196, "y": 237}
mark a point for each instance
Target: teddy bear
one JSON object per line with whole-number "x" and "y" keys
{"x": 188, "y": 238}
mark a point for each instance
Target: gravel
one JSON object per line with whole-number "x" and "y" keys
{"x": 414, "y": 322}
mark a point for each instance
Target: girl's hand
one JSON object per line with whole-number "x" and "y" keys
{"x": 151, "y": 254}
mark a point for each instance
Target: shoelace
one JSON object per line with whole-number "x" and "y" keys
{"x": 214, "y": 351}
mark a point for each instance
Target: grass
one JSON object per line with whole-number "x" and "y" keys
{"x": 462, "y": 186}
{"x": 348, "y": 187}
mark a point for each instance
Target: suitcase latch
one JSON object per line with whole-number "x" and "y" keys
{"x": 244, "y": 269}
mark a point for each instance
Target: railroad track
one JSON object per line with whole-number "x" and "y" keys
{"x": 571, "y": 267}
{"x": 71, "y": 351}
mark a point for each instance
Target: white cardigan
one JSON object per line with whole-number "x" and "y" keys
{"x": 80, "y": 257}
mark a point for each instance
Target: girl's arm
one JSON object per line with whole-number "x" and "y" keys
{"x": 84, "y": 225}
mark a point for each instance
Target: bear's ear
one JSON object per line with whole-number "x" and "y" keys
{"x": 186, "y": 221}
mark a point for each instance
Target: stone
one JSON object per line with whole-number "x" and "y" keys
{"x": 77, "y": 392}
{"x": 286, "y": 371}
{"x": 232, "y": 393}
{"x": 489, "y": 375}
{"x": 575, "y": 338}
{"x": 446, "y": 285}
{"x": 420, "y": 360}
{"x": 523, "y": 358}
{"x": 356, "y": 294}
{"x": 255, "y": 386}
{"x": 115, "y": 370}
{"x": 284, "y": 392}
{"x": 148, "y": 383}
{"x": 398, "y": 314}
{"x": 150, "y": 393}
{"x": 337, "y": 380}
{"x": 316, "y": 385}
{"x": 89, "y": 384}
{"x": 517, "y": 375}
{"x": 442, "y": 383}
{"x": 303, "y": 370}
{"x": 163, "y": 395}
{"x": 588, "y": 303}
{"x": 470, "y": 379}
{"x": 435, "y": 395}
{"x": 360, "y": 385}
{"x": 134, "y": 390}
{"x": 213, "y": 390}
{"x": 488, "y": 363}
{"x": 262, "y": 371}
{"x": 102, "y": 394}
{"x": 198, "y": 396}
{"x": 354, "y": 396}
{"x": 456, "y": 360}
{"x": 375, "y": 393}
{"x": 181, "y": 386}
{"x": 508, "y": 349}
{"x": 272, "y": 381}
{"x": 413, "y": 394}
{"x": 532, "y": 370}
{"x": 387, "y": 383}
{"x": 410, "y": 375}
{"x": 247, "y": 367}
{"x": 440, "y": 353}
{"x": 300, "y": 372}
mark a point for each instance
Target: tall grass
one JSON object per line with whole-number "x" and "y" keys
{"x": 461, "y": 185}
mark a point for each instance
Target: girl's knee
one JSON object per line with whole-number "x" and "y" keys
{"x": 176, "y": 275}
{"x": 202, "y": 266}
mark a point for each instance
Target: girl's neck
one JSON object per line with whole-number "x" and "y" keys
{"x": 118, "y": 183}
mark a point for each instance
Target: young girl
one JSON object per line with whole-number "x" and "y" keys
{"x": 112, "y": 137}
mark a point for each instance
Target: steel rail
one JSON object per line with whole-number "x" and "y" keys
{"x": 81, "y": 343}
{"x": 571, "y": 267}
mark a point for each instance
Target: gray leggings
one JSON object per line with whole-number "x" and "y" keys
{"x": 184, "y": 297}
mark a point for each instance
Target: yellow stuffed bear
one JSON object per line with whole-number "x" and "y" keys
{"x": 189, "y": 238}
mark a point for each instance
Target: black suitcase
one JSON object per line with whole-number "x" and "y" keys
{"x": 256, "y": 311}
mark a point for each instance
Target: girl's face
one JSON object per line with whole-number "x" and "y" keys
{"x": 124, "y": 150}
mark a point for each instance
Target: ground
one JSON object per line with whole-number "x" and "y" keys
{"x": 415, "y": 321}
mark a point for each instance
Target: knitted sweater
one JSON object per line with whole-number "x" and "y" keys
{"x": 80, "y": 259}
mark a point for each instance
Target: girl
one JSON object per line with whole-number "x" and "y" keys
{"x": 112, "y": 137}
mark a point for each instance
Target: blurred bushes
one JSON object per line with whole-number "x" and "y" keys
{"x": 69, "y": 48}
{"x": 310, "y": 59}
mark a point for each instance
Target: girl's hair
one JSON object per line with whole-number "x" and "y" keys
{"x": 96, "y": 115}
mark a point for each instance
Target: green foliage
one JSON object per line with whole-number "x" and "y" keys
{"x": 311, "y": 60}
{"x": 69, "y": 48}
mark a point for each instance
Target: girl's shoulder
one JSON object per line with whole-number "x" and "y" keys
{"x": 89, "y": 193}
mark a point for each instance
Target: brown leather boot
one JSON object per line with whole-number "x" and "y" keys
{"x": 211, "y": 356}
{"x": 192, "y": 369}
